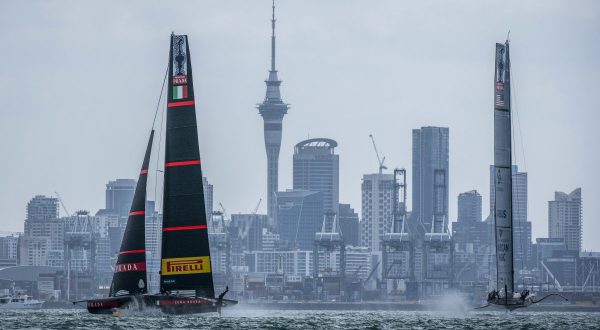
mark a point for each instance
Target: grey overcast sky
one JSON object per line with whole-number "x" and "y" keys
{"x": 79, "y": 81}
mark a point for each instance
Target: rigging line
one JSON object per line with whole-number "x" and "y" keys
{"x": 512, "y": 126}
{"x": 513, "y": 90}
{"x": 162, "y": 89}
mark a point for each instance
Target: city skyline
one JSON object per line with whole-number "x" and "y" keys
{"x": 76, "y": 147}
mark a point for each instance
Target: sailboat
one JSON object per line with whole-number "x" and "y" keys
{"x": 186, "y": 284}
{"x": 504, "y": 294}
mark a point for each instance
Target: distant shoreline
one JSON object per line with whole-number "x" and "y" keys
{"x": 391, "y": 306}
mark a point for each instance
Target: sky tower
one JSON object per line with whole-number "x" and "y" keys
{"x": 272, "y": 109}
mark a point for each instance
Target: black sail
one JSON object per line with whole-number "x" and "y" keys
{"x": 185, "y": 263}
{"x": 130, "y": 270}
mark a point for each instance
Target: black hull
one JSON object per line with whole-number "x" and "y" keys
{"x": 165, "y": 303}
{"x": 510, "y": 304}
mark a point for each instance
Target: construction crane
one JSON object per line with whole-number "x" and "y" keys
{"x": 223, "y": 210}
{"x": 257, "y": 206}
{"x": 63, "y": 204}
{"x": 379, "y": 159}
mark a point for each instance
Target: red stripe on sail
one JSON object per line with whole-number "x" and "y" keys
{"x": 132, "y": 251}
{"x": 184, "y": 228}
{"x": 181, "y": 104}
{"x": 183, "y": 163}
{"x": 144, "y": 171}
{"x": 137, "y": 213}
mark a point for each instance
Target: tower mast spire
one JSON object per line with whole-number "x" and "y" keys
{"x": 273, "y": 39}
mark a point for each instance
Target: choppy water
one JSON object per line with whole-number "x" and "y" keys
{"x": 239, "y": 318}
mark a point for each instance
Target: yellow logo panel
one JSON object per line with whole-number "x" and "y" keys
{"x": 189, "y": 265}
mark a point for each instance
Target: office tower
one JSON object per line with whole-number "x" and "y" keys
{"x": 317, "y": 168}
{"x": 119, "y": 195}
{"x": 377, "y": 200}
{"x": 521, "y": 226}
{"x": 469, "y": 207}
{"x": 208, "y": 198}
{"x": 349, "y": 224}
{"x": 300, "y": 215}
{"x": 430, "y": 153}
{"x": 272, "y": 110}
{"x": 565, "y": 218}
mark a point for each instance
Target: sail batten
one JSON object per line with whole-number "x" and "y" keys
{"x": 503, "y": 226}
{"x": 130, "y": 270}
{"x": 185, "y": 263}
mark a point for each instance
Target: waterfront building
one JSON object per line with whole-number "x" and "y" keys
{"x": 42, "y": 208}
{"x": 317, "y": 168}
{"x": 119, "y": 195}
{"x": 469, "y": 207}
{"x": 299, "y": 216}
{"x": 377, "y": 200}
{"x": 565, "y": 218}
{"x": 247, "y": 231}
{"x": 349, "y": 224}
{"x": 430, "y": 153}
{"x": 472, "y": 243}
{"x": 42, "y": 240}
{"x": 9, "y": 250}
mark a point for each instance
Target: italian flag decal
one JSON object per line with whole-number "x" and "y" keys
{"x": 180, "y": 92}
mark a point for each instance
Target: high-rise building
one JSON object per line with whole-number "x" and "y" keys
{"x": 349, "y": 224}
{"x": 119, "y": 195}
{"x": 42, "y": 208}
{"x": 42, "y": 240}
{"x": 565, "y": 218}
{"x": 430, "y": 153}
{"x": 472, "y": 242}
{"x": 208, "y": 198}
{"x": 469, "y": 207}
{"x": 317, "y": 168}
{"x": 377, "y": 204}
{"x": 272, "y": 110}
{"x": 249, "y": 231}
{"x": 300, "y": 215}
{"x": 522, "y": 239}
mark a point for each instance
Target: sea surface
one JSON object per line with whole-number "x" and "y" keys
{"x": 243, "y": 318}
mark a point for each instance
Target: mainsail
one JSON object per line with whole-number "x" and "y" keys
{"x": 185, "y": 263}
{"x": 502, "y": 173}
{"x": 130, "y": 271}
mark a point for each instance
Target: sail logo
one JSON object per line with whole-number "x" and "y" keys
{"x": 130, "y": 267}
{"x": 189, "y": 265}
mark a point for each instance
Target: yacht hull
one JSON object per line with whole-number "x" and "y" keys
{"x": 168, "y": 304}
